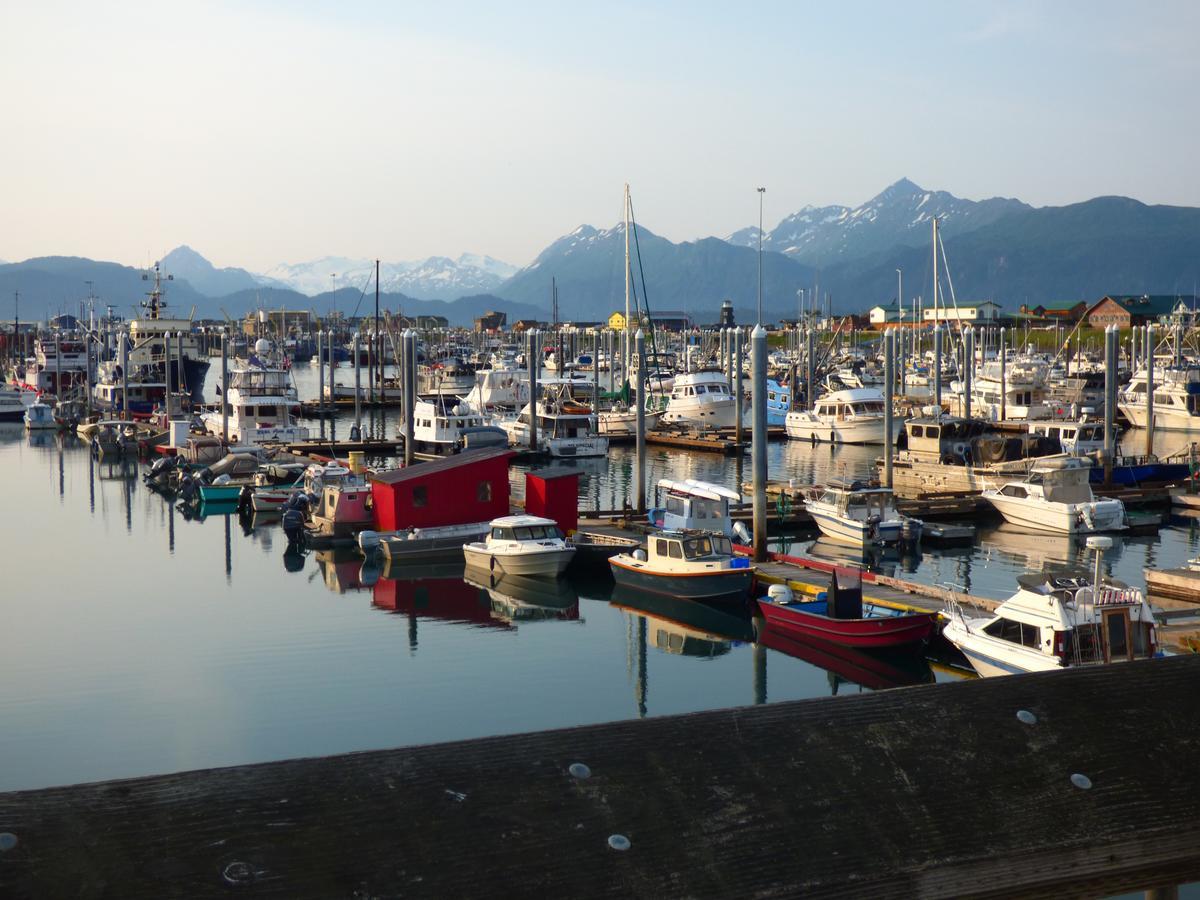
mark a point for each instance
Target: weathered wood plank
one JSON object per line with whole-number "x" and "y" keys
{"x": 932, "y": 791}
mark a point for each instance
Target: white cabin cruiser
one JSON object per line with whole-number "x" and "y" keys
{"x": 1056, "y": 496}
{"x": 522, "y": 545}
{"x": 702, "y": 400}
{"x": 1055, "y": 622}
{"x": 1176, "y": 398}
{"x": 1077, "y": 438}
{"x": 1021, "y": 394}
{"x": 260, "y": 402}
{"x": 861, "y": 514}
{"x": 39, "y": 416}
{"x": 566, "y": 427}
{"x": 854, "y": 416}
{"x": 12, "y": 402}
{"x": 442, "y": 427}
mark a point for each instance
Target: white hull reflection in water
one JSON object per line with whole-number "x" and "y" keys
{"x": 228, "y": 649}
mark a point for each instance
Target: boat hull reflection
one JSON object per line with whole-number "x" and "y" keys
{"x": 687, "y": 627}
{"x": 874, "y": 669}
{"x": 525, "y": 598}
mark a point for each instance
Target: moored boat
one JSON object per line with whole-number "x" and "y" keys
{"x": 686, "y": 564}
{"x": 841, "y": 617}
{"x": 521, "y": 545}
{"x": 859, "y": 513}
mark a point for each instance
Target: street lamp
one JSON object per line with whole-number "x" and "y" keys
{"x": 761, "y": 191}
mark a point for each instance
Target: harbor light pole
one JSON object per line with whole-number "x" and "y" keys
{"x": 761, "y": 191}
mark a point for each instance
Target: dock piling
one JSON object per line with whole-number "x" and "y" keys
{"x": 968, "y": 368}
{"x": 224, "y": 385}
{"x": 1148, "y": 352}
{"x": 358, "y": 387}
{"x": 889, "y": 403}
{"x": 937, "y": 367}
{"x": 810, "y": 389}
{"x": 409, "y": 340}
{"x": 640, "y": 464}
{"x": 1111, "y": 336}
{"x": 534, "y": 359}
{"x": 320, "y": 372}
{"x": 124, "y": 356}
{"x": 758, "y": 364}
{"x": 1003, "y": 377}
{"x": 736, "y": 386}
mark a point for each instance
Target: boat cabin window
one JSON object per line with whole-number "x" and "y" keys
{"x": 661, "y": 547}
{"x": 1016, "y": 632}
{"x": 676, "y": 506}
{"x": 674, "y": 550}
{"x": 502, "y": 534}
{"x": 1014, "y": 490}
{"x": 918, "y": 431}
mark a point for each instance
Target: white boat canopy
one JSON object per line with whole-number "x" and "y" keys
{"x": 705, "y": 489}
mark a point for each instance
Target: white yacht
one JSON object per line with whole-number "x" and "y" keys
{"x": 260, "y": 401}
{"x": 1056, "y": 496}
{"x": 566, "y": 427}
{"x": 702, "y": 400}
{"x": 622, "y": 420}
{"x": 1055, "y": 622}
{"x": 12, "y": 403}
{"x": 854, "y": 416}
{"x": 65, "y": 358}
{"x": 450, "y": 377}
{"x": 522, "y": 545}
{"x": 500, "y": 387}
{"x": 1022, "y": 394}
{"x": 1176, "y": 398}
{"x": 857, "y": 513}
{"x": 442, "y": 427}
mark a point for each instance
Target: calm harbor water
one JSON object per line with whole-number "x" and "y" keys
{"x": 137, "y": 641}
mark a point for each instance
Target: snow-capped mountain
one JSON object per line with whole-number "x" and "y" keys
{"x": 899, "y": 216}
{"x": 437, "y": 278}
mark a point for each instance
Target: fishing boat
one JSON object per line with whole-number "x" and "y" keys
{"x": 859, "y": 513}
{"x": 1056, "y": 496}
{"x": 443, "y": 426}
{"x": 840, "y": 616}
{"x": 693, "y": 565}
{"x": 343, "y": 509}
{"x": 260, "y": 401}
{"x": 1056, "y": 622}
{"x": 39, "y": 416}
{"x": 701, "y": 400}
{"x": 566, "y": 427}
{"x": 779, "y": 403}
{"x": 147, "y": 352}
{"x": 451, "y": 377}
{"x": 853, "y": 416}
{"x": 693, "y": 505}
{"x": 114, "y": 437}
{"x": 521, "y": 545}
{"x": 59, "y": 366}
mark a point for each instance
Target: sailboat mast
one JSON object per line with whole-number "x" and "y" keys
{"x": 627, "y": 278}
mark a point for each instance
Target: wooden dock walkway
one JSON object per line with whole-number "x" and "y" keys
{"x": 931, "y": 791}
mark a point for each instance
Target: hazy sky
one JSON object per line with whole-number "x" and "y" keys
{"x": 260, "y": 133}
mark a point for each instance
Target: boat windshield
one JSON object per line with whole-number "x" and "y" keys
{"x": 700, "y": 547}
{"x": 536, "y": 533}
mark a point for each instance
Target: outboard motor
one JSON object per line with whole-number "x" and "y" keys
{"x": 187, "y": 489}
{"x": 293, "y": 526}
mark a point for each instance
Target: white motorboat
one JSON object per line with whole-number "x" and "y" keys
{"x": 522, "y": 545}
{"x": 1020, "y": 394}
{"x": 622, "y": 421}
{"x": 1176, "y": 398}
{"x": 39, "y": 417}
{"x": 1056, "y": 496}
{"x": 500, "y": 387}
{"x": 442, "y": 427}
{"x": 566, "y": 427}
{"x": 857, "y": 513}
{"x": 13, "y": 403}
{"x": 1055, "y": 622}
{"x": 1077, "y": 438}
{"x": 260, "y": 401}
{"x": 701, "y": 400}
{"x": 854, "y": 416}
